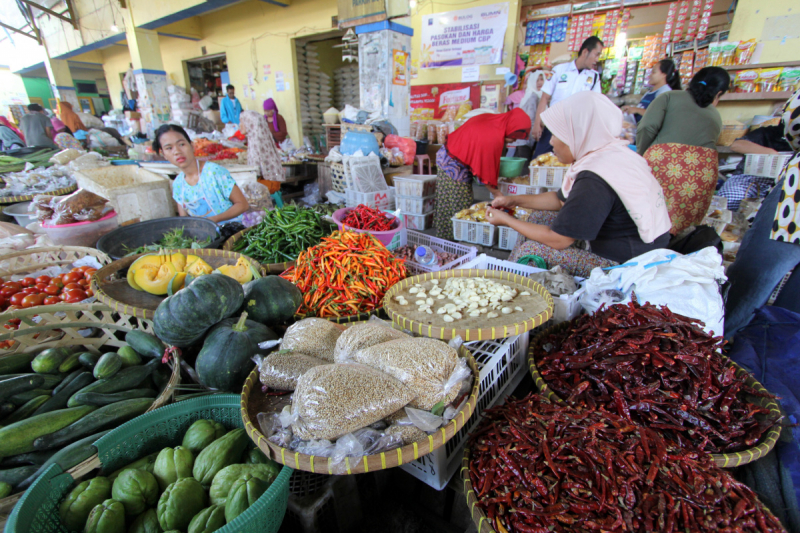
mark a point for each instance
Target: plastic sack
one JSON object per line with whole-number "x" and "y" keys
{"x": 65, "y": 156}
{"x": 88, "y": 161}
{"x": 687, "y": 284}
{"x": 257, "y": 196}
{"x": 90, "y": 121}
{"x": 44, "y": 206}
{"x": 404, "y": 144}
{"x": 205, "y": 102}
{"x": 364, "y": 335}
{"x": 101, "y": 139}
{"x": 557, "y": 281}
{"x": 282, "y": 369}
{"x": 311, "y": 194}
{"x": 80, "y": 206}
{"x": 312, "y": 336}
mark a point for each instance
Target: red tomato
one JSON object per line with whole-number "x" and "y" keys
{"x": 57, "y": 282}
{"x": 89, "y": 273}
{"x": 89, "y": 292}
{"x": 81, "y": 268}
{"x": 32, "y": 300}
{"x": 72, "y": 277}
{"x": 29, "y": 290}
{"x": 73, "y": 287}
{"x": 8, "y": 291}
{"x": 41, "y": 286}
{"x": 27, "y": 282}
{"x": 83, "y": 283}
{"x": 14, "y": 321}
{"x": 16, "y": 299}
{"x": 52, "y": 300}
{"x": 75, "y": 296}
{"x": 43, "y": 279}
{"x": 52, "y": 290}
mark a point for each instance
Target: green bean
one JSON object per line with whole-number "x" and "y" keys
{"x": 283, "y": 234}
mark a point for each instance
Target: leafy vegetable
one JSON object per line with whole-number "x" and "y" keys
{"x": 172, "y": 240}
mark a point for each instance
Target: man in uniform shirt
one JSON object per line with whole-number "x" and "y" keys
{"x": 568, "y": 79}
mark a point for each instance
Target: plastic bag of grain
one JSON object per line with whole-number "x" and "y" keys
{"x": 362, "y": 336}
{"x": 333, "y": 400}
{"x": 282, "y": 369}
{"x": 312, "y": 336}
{"x": 409, "y": 434}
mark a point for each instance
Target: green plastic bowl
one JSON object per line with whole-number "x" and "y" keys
{"x": 37, "y": 510}
{"x": 511, "y": 167}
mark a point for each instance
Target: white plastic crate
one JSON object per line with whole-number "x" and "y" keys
{"x": 765, "y": 166}
{"x": 565, "y": 307}
{"x": 420, "y": 222}
{"x": 464, "y": 253}
{"x": 507, "y": 238}
{"x": 416, "y": 205}
{"x": 511, "y": 189}
{"x": 364, "y": 174}
{"x": 501, "y": 364}
{"x": 377, "y": 200}
{"x": 419, "y": 185}
{"x": 475, "y": 232}
{"x": 550, "y": 177}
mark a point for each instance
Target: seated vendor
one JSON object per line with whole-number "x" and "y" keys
{"x": 202, "y": 189}
{"x": 608, "y": 197}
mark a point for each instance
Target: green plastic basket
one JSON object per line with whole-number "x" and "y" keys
{"x": 37, "y": 511}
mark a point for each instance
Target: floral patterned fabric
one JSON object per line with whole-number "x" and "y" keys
{"x": 688, "y": 177}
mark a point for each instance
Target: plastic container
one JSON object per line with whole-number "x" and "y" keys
{"x": 135, "y": 193}
{"x": 765, "y": 166}
{"x": 507, "y": 238}
{"x": 383, "y": 236}
{"x": 338, "y": 181}
{"x": 354, "y": 141}
{"x": 511, "y": 189}
{"x": 415, "y": 238}
{"x": 37, "y": 511}
{"x": 511, "y": 167}
{"x": 418, "y": 222}
{"x": 377, "y": 200}
{"x": 82, "y": 233}
{"x": 416, "y": 205}
{"x": 116, "y": 243}
{"x": 475, "y": 232}
{"x": 419, "y": 185}
{"x": 20, "y": 213}
{"x": 425, "y": 256}
{"x": 550, "y": 177}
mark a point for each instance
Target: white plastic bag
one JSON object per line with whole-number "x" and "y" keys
{"x": 687, "y": 284}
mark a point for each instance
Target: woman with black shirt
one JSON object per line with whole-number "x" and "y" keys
{"x": 609, "y": 197}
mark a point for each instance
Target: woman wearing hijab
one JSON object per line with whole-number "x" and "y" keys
{"x": 473, "y": 150}
{"x": 69, "y": 117}
{"x": 277, "y": 126}
{"x": 529, "y": 103}
{"x": 261, "y": 150}
{"x": 608, "y": 196}
{"x": 58, "y": 126}
{"x": 7, "y": 123}
{"x": 770, "y": 250}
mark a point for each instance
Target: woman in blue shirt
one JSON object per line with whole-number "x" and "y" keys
{"x": 663, "y": 77}
{"x": 202, "y": 189}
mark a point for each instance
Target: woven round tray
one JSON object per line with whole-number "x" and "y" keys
{"x": 111, "y": 287}
{"x": 724, "y": 460}
{"x": 255, "y": 402}
{"x": 37, "y": 259}
{"x": 272, "y": 268}
{"x": 59, "y": 325}
{"x": 445, "y": 332}
{"x": 27, "y": 197}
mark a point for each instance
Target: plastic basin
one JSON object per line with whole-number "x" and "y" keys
{"x": 359, "y": 140}
{"x": 511, "y": 167}
{"x": 82, "y": 233}
{"x": 20, "y": 213}
{"x": 116, "y": 243}
{"x": 385, "y": 237}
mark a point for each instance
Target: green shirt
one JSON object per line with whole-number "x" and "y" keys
{"x": 674, "y": 117}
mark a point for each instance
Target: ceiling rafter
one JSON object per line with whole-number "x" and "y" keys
{"x": 70, "y": 11}
{"x": 26, "y": 34}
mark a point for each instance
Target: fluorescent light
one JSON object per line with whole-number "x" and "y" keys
{"x": 114, "y": 27}
{"x": 412, "y": 4}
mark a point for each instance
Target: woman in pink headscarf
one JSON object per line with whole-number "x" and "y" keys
{"x": 608, "y": 197}
{"x": 7, "y": 123}
{"x": 277, "y": 126}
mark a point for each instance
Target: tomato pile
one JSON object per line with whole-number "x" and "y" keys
{"x": 71, "y": 287}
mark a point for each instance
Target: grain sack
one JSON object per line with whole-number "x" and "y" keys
{"x": 363, "y": 336}
{"x": 281, "y": 370}
{"x": 400, "y": 417}
{"x": 424, "y": 365}
{"x": 409, "y": 434}
{"x": 312, "y": 336}
{"x": 334, "y": 400}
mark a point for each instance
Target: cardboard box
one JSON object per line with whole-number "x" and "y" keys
{"x": 133, "y": 115}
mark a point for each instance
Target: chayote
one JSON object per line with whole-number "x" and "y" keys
{"x": 108, "y": 517}
{"x": 224, "y": 451}
{"x": 208, "y": 520}
{"x": 244, "y": 493}
{"x": 147, "y": 522}
{"x": 201, "y": 434}
{"x": 136, "y": 490}
{"x": 146, "y": 463}
{"x": 180, "y": 502}
{"x": 80, "y": 501}
{"x": 255, "y": 456}
{"x": 5, "y": 489}
{"x": 224, "y": 479}
{"x": 171, "y": 465}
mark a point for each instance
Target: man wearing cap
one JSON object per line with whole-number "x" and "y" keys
{"x": 37, "y": 128}
{"x": 568, "y": 79}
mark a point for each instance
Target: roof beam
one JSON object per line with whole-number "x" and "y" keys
{"x": 35, "y": 38}
{"x": 51, "y": 12}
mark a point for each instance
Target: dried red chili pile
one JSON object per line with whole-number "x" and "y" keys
{"x": 539, "y": 468}
{"x": 365, "y": 217}
{"x": 658, "y": 369}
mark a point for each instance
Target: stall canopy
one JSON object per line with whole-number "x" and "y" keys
{"x": 19, "y": 16}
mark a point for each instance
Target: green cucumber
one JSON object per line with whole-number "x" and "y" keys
{"x": 25, "y": 459}
{"x": 115, "y": 413}
{"x": 67, "y": 380}
{"x": 50, "y": 380}
{"x": 107, "y": 366}
{"x": 88, "y": 359}
{"x": 129, "y": 356}
{"x": 15, "y": 476}
{"x": 6, "y": 408}
{"x": 11, "y": 387}
{"x": 18, "y": 362}
{"x": 125, "y": 379}
{"x": 24, "y": 397}
{"x": 70, "y": 363}
{"x": 27, "y": 409}
{"x": 67, "y": 457}
{"x": 59, "y": 400}
{"x": 98, "y": 399}
{"x": 19, "y": 437}
{"x": 50, "y": 359}
{"x": 145, "y": 344}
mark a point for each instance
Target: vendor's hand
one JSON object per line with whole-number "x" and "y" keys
{"x": 536, "y": 130}
{"x": 502, "y": 201}
{"x": 626, "y": 109}
{"x": 497, "y": 217}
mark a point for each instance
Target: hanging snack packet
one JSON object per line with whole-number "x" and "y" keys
{"x": 745, "y": 51}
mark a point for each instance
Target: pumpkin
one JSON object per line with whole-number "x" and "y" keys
{"x": 225, "y": 359}
{"x": 155, "y": 281}
{"x": 176, "y": 283}
{"x": 179, "y": 260}
{"x": 184, "y": 317}
{"x": 243, "y": 271}
{"x": 198, "y": 268}
{"x": 149, "y": 261}
{"x": 271, "y": 300}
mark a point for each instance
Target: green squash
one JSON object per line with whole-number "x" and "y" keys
{"x": 108, "y": 517}
{"x": 254, "y": 456}
{"x": 173, "y": 464}
{"x": 147, "y": 522}
{"x": 129, "y": 356}
{"x": 180, "y": 502}
{"x": 271, "y": 300}
{"x": 226, "y": 357}
{"x": 80, "y": 501}
{"x": 222, "y": 452}
{"x": 183, "y": 318}
{"x": 225, "y": 478}
{"x": 244, "y": 493}
{"x": 202, "y": 433}
{"x": 208, "y": 520}
{"x": 136, "y": 490}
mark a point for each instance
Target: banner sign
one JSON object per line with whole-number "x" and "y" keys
{"x": 471, "y": 36}
{"x": 430, "y": 102}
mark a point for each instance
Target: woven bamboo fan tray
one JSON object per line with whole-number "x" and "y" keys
{"x": 111, "y": 287}
{"x": 272, "y": 268}
{"x": 62, "y": 325}
{"x": 537, "y": 308}
{"x": 27, "y": 197}
{"x": 255, "y": 402}
{"x": 724, "y": 460}
{"x": 40, "y": 258}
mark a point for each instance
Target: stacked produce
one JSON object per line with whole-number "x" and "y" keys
{"x": 539, "y": 467}
{"x": 283, "y": 234}
{"x": 70, "y": 287}
{"x": 346, "y": 274}
{"x": 214, "y": 150}
{"x": 199, "y": 486}
{"x": 57, "y": 402}
{"x": 367, "y": 218}
{"x": 657, "y": 369}
{"x": 172, "y": 240}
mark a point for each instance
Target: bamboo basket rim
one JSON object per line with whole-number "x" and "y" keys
{"x": 366, "y": 463}
{"x": 723, "y": 460}
{"x": 469, "y": 335}
{"x": 103, "y": 258}
{"x": 83, "y": 468}
{"x": 272, "y": 268}
{"x": 27, "y": 197}
{"x": 117, "y": 266}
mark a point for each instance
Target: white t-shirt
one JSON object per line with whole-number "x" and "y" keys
{"x": 567, "y": 81}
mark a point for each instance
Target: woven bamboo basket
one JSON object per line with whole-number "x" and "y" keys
{"x": 444, "y": 332}
{"x": 724, "y": 460}
{"x": 254, "y": 402}
{"x": 111, "y": 287}
{"x": 272, "y": 268}
{"x": 61, "y": 325}
{"x": 36, "y": 259}
{"x": 28, "y": 197}
{"x": 731, "y": 132}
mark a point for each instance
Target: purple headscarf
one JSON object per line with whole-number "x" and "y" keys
{"x": 270, "y": 105}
